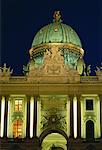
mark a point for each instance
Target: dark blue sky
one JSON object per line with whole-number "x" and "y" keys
{"x": 21, "y": 19}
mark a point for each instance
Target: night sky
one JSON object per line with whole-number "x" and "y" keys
{"x": 22, "y": 19}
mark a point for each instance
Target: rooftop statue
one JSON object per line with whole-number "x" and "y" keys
{"x": 5, "y": 72}
{"x": 99, "y": 68}
{"x": 57, "y": 16}
{"x": 99, "y": 72}
{"x": 81, "y": 66}
{"x": 88, "y": 70}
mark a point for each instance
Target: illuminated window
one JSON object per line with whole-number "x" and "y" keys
{"x": 17, "y": 129}
{"x": 18, "y": 105}
{"x": 89, "y": 104}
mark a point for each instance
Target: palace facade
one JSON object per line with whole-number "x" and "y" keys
{"x": 57, "y": 104}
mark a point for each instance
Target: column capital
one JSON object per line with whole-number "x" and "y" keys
{"x": 100, "y": 96}
{"x": 71, "y": 96}
{"x": 78, "y": 96}
{"x": 36, "y": 97}
{"x": 28, "y": 97}
{"x": 6, "y": 97}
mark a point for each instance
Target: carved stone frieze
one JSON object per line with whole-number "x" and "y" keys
{"x": 52, "y": 116}
{"x": 53, "y": 67}
{"x": 53, "y": 119}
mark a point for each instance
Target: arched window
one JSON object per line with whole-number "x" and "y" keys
{"x": 89, "y": 130}
{"x": 17, "y": 129}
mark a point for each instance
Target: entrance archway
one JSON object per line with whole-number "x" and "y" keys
{"x": 89, "y": 130}
{"x": 54, "y": 140}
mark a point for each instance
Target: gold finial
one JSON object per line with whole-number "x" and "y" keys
{"x": 57, "y": 16}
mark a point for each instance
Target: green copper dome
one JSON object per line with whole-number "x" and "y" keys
{"x": 58, "y": 37}
{"x": 56, "y": 32}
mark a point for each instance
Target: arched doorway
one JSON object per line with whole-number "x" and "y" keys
{"x": 89, "y": 130}
{"x": 53, "y": 140}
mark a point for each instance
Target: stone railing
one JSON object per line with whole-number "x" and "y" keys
{"x": 23, "y": 79}
{"x": 89, "y": 79}
{"x": 18, "y": 79}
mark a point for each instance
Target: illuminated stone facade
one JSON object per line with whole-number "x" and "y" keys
{"x": 56, "y": 105}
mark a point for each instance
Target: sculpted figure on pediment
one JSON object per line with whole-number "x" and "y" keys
{"x": 53, "y": 56}
{"x": 53, "y": 66}
{"x": 47, "y": 56}
{"x": 56, "y": 55}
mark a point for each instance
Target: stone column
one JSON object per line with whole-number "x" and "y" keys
{"x": 2, "y": 115}
{"x": 5, "y": 116}
{"x": 75, "y": 116}
{"x": 71, "y": 117}
{"x": 38, "y": 117}
{"x": 78, "y": 116}
{"x": 35, "y": 117}
{"x": 8, "y": 119}
{"x": 28, "y": 117}
{"x": 31, "y": 117}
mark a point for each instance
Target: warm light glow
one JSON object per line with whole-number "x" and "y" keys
{"x": 31, "y": 116}
{"x": 17, "y": 129}
{"x": 75, "y": 116}
{"x": 8, "y": 118}
{"x": 2, "y": 115}
{"x": 18, "y": 105}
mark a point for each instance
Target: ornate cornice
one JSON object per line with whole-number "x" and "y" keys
{"x": 69, "y": 46}
{"x": 49, "y": 88}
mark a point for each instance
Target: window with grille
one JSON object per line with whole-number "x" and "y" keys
{"x": 18, "y": 105}
{"x": 17, "y": 129}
